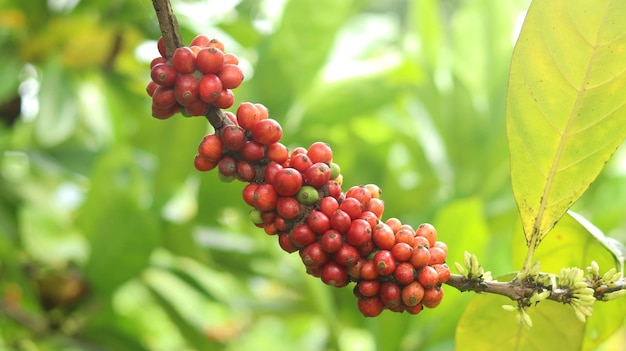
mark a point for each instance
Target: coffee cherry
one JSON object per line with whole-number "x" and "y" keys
{"x": 231, "y": 117}
{"x": 210, "y": 60}
{"x": 151, "y": 87}
{"x": 432, "y": 296}
{"x": 164, "y": 113}
{"x": 267, "y": 131}
{"x": 301, "y": 162}
{"x": 369, "y": 271}
{"x": 335, "y": 170}
{"x": 414, "y": 309}
{"x": 265, "y": 197}
{"x": 437, "y": 256}
{"x": 376, "y": 206}
{"x": 211, "y": 147}
{"x": 370, "y": 218}
{"x": 203, "y": 164}
{"x": 412, "y": 294}
{"x": 201, "y": 40}
{"x": 255, "y": 216}
{"x": 227, "y": 166}
{"x": 428, "y": 231}
{"x": 231, "y": 59}
{"x": 277, "y": 152}
{"x": 393, "y": 223}
{"x": 334, "y": 274}
{"x": 368, "y": 288}
{"x": 252, "y": 151}
{"x": 443, "y": 272}
{"x": 318, "y": 222}
{"x": 420, "y": 257}
{"x": 441, "y": 245}
{"x": 245, "y": 171}
{"x": 270, "y": 171}
{"x": 404, "y": 273}
{"x": 248, "y": 193}
{"x": 313, "y": 255}
{"x": 361, "y": 194}
{"x": 230, "y": 75}
{"x": 329, "y": 205}
{"x": 334, "y": 189}
{"x": 161, "y": 47}
{"x": 233, "y": 138}
{"x": 374, "y": 190}
{"x": 340, "y": 221}
{"x": 215, "y": 43}
{"x": 163, "y": 75}
{"x": 420, "y": 241}
{"x": 225, "y": 100}
{"x": 247, "y": 115}
{"x": 352, "y": 207}
{"x": 383, "y": 236}
{"x": 402, "y": 252}
{"x": 370, "y": 306}
{"x": 391, "y": 294}
{"x": 184, "y": 60}
{"x": 280, "y": 223}
{"x": 428, "y": 277}
{"x": 405, "y": 236}
{"x": 209, "y": 88}
{"x": 331, "y": 240}
{"x": 288, "y": 207}
{"x": 186, "y": 89}
{"x": 287, "y": 182}
{"x": 307, "y": 195}
{"x": 347, "y": 255}
{"x": 320, "y": 152}
{"x": 384, "y": 262}
{"x": 197, "y": 108}
{"x": 359, "y": 232}
{"x": 163, "y": 97}
{"x": 317, "y": 175}
{"x": 284, "y": 240}
{"x": 302, "y": 235}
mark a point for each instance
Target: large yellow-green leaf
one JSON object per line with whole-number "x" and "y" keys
{"x": 566, "y": 107}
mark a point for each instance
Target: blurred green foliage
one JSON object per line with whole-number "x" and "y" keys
{"x": 109, "y": 238}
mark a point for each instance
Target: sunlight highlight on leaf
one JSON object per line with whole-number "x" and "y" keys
{"x": 563, "y": 120}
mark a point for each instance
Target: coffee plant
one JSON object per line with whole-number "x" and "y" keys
{"x": 126, "y": 278}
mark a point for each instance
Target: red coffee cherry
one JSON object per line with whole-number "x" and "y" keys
{"x": 359, "y": 232}
{"x": 284, "y": 240}
{"x": 203, "y": 164}
{"x": 374, "y": 190}
{"x": 402, "y": 252}
{"x": 432, "y": 296}
{"x": 184, "y": 60}
{"x": 420, "y": 241}
{"x": 197, "y": 108}
{"x": 391, "y": 294}
{"x": 334, "y": 189}
{"x": 287, "y": 182}
{"x": 412, "y": 294}
{"x": 320, "y": 152}
{"x": 161, "y": 47}
{"x": 231, "y": 58}
{"x": 437, "y": 256}
{"x": 186, "y": 89}
{"x": 267, "y": 131}
{"x": 370, "y": 218}
{"x": 428, "y": 231}
{"x": 227, "y": 166}
{"x": 225, "y": 100}
{"x": 376, "y": 206}
{"x": 200, "y": 40}
{"x": 233, "y": 138}
{"x": 247, "y": 115}
{"x": 277, "y": 152}
{"x": 347, "y": 255}
{"x": 360, "y": 193}
{"x": 215, "y": 43}
{"x": 164, "y": 113}
{"x": 405, "y": 236}
{"x": 252, "y": 151}
{"x": 331, "y": 240}
{"x": 368, "y": 288}
{"x": 383, "y": 236}
{"x": 163, "y": 97}
{"x": 420, "y": 257}
{"x": 334, "y": 274}
{"x": 245, "y": 171}
{"x": 352, "y": 207}
{"x": 329, "y": 205}
{"x": 404, "y": 273}
{"x": 414, "y": 309}
{"x": 288, "y": 207}
{"x": 163, "y": 74}
{"x": 270, "y": 171}
{"x": 231, "y": 76}
{"x": 211, "y": 147}
{"x": 441, "y": 245}
{"x": 340, "y": 221}
{"x": 369, "y": 271}
{"x": 394, "y": 224}
{"x": 151, "y": 87}
{"x": 280, "y": 223}
{"x": 301, "y": 162}
{"x": 209, "y": 88}
{"x": 318, "y": 222}
{"x": 210, "y": 60}
{"x": 302, "y": 235}
{"x": 428, "y": 277}
{"x": 317, "y": 175}
{"x": 370, "y": 306}
{"x": 248, "y": 193}
{"x": 384, "y": 262}
{"x": 443, "y": 271}
{"x": 265, "y": 197}
{"x": 313, "y": 255}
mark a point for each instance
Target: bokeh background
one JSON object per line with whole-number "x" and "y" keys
{"x": 111, "y": 240}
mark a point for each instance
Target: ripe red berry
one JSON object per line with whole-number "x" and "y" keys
{"x": 318, "y": 221}
{"x": 267, "y": 131}
{"x": 200, "y": 40}
{"x": 197, "y": 108}
{"x": 284, "y": 240}
{"x": 329, "y": 205}
{"x": 370, "y": 306}
{"x": 320, "y": 152}
{"x": 428, "y": 277}
{"x": 404, "y": 273}
{"x": 383, "y": 236}
{"x": 209, "y": 88}
{"x": 370, "y": 218}
{"x": 359, "y": 232}
{"x": 384, "y": 262}
{"x": 443, "y": 271}
{"x": 334, "y": 274}
{"x": 287, "y": 182}
{"x": 405, "y": 236}
{"x": 186, "y": 89}
{"x": 248, "y": 193}
{"x": 420, "y": 241}
{"x": 361, "y": 194}
{"x": 265, "y": 197}
{"x": 288, "y": 207}
{"x": 215, "y": 43}
{"x": 230, "y": 75}
{"x": 233, "y": 138}
{"x": 301, "y": 162}
{"x": 245, "y": 171}
{"x": 402, "y": 252}
{"x": 277, "y": 152}
{"x": 428, "y": 231}
{"x": 247, "y": 115}
{"x": 317, "y": 175}
{"x": 412, "y": 294}
{"x": 210, "y": 60}
{"x": 352, "y": 207}
{"x": 420, "y": 257}
{"x": 164, "y": 113}
{"x": 347, "y": 255}
{"x": 391, "y": 294}
{"x": 302, "y": 235}
{"x": 161, "y": 46}
{"x": 432, "y": 296}
{"x": 184, "y": 60}
{"x": 369, "y": 271}
{"x": 340, "y": 221}
{"x": 203, "y": 164}
{"x": 334, "y": 189}
{"x": 376, "y": 206}
{"x": 163, "y": 97}
{"x": 225, "y": 100}
{"x": 227, "y": 166}
{"x": 331, "y": 240}
{"x": 394, "y": 223}
{"x": 252, "y": 151}
{"x": 211, "y": 147}
{"x": 313, "y": 255}
{"x": 163, "y": 74}
{"x": 437, "y": 256}
{"x": 441, "y": 245}
{"x": 368, "y": 288}
{"x": 151, "y": 87}
{"x": 270, "y": 171}
{"x": 231, "y": 59}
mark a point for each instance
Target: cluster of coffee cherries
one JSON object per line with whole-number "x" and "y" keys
{"x": 340, "y": 236}
{"x": 196, "y": 77}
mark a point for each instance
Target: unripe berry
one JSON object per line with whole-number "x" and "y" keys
{"x": 231, "y": 76}
{"x": 331, "y": 240}
{"x": 383, "y": 236}
{"x": 163, "y": 74}
{"x": 287, "y": 182}
{"x": 203, "y": 164}
{"x": 391, "y": 294}
{"x": 374, "y": 190}
{"x": 210, "y": 60}
{"x": 384, "y": 262}
{"x": 335, "y": 170}
{"x": 412, "y": 294}
{"x": 428, "y": 277}
{"x": 186, "y": 89}
{"x": 370, "y": 306}
{"x": 184, "y": 60}
{"x": 255, "y": 216}
{"x": 317, "y": 175}
{"x": 209, "y": 88}
{"x": 334, "y": 274}
{"x": 288, "y": 207}
{"x": 265, "y": 197}
{"x": 267, "y": 131}
{"x": 404, "y": 273}
{"x": 211, "y": 147}
{"x": 307, "y": 195}
{"x": 302, "y": 235}
{"x": 233, "y": 138}
{"x": 320, "y": 152}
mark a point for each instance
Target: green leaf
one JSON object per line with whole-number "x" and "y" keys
{"x": 563, "y": 118}
{"x": 486, "y": 326}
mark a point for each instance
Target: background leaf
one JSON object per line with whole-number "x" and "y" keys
{"x": 562, "y": 123}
